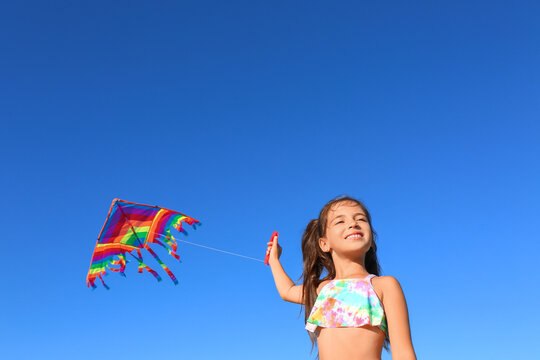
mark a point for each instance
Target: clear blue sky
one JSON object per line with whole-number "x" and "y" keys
{"x": 249, "y": 116}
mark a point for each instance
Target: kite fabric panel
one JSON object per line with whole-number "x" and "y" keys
{"x": 128, "y": 229}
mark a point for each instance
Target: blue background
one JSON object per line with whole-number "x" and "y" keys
{"x": 249, "y": 116}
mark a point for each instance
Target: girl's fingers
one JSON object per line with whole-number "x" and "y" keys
{"x": 273, "y": 246}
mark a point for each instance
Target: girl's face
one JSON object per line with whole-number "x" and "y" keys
{"x": 347, "y": 230}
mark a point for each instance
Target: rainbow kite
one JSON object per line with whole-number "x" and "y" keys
{"x": 130, "y": 227}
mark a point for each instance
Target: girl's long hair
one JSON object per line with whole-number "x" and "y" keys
{"x": 316, "y": 261}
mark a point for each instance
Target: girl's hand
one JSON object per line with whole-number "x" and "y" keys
{"x": 273, "y": 249}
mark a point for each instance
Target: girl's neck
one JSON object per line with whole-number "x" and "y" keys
{"x": 348, "y": 269}
{"x": 352, "y": 276}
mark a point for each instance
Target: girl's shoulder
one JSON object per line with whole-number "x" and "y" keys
{"x": 321, "y": 285}
{"x": 386, "y": 279}
{"x": 385, "y": 284}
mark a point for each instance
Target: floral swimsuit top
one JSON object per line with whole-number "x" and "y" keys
{"x": 347, "y": 303}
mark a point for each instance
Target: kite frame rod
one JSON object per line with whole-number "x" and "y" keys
{"x": 97, "y": 241}
{"x": 131, "y": 226}
{"x": 159, "y": 207}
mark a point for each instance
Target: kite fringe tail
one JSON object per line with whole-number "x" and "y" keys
{"x": 167, "y": 270}
{"x": 171, "y": 246}
{"x": 143, "y": 266}
{"x": 121, "y": 262}
{"x": 103, "y": 282}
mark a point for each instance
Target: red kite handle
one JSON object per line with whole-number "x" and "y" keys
{"x": 275, "y": 233}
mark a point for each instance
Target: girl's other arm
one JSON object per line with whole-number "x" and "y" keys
{"x": 285, "y": 286}
{"x": 397, "y": 315}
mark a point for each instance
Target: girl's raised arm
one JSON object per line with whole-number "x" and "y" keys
{"x": 285, "y": 286}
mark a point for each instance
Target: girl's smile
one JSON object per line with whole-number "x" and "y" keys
{"x": 355, "y": 235}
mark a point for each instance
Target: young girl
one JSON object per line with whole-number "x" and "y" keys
{"x": 352, "y": 312}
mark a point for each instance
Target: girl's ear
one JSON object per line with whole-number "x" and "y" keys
{"x": 323, "y": 244}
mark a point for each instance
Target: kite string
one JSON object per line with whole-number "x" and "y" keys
{"x": 223, "y": 251}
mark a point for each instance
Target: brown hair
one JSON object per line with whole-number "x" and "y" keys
{"x": 316, "y": 260}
